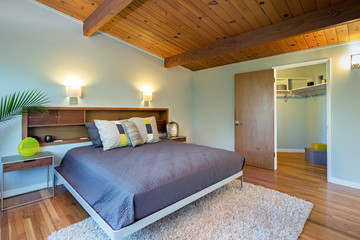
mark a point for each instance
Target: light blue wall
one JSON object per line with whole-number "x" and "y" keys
{"x": 301, "y": 122}
{"x": 311, "y": 71}
{"x": 291, "y": 123}
{"x": 214, "y": 105}
{"x": 316, "y": 120}
{"x": 40, "y": 48}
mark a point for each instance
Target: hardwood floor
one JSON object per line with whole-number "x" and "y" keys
{"x": 336, "y": 212}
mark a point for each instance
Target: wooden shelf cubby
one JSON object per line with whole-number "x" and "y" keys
{"x": 67, "y": 123}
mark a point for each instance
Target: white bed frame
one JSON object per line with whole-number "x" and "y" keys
{"x": 119, "y": 234}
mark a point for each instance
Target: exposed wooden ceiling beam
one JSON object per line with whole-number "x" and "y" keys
{"x": 102, "y": 14}
{"x": 337, "y": 14}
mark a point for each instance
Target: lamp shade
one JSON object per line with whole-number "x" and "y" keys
{"x": 73, "y": 91}
{"x": 147, "y": 96}
{"x": 355, "y": 61}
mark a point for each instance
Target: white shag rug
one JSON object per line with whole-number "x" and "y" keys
{"x": 228, "y": 213}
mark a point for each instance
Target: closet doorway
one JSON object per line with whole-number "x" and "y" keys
{"x": 302, "y": 110}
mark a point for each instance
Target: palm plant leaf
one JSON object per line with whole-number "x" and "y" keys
{"x": 22, "y": 102}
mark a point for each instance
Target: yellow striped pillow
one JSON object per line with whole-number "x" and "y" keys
{"x": 112, "y": 134}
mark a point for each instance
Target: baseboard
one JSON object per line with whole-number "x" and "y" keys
{"x": 344, "y": 182}
{"x": 301, "y": 150}
{"x": 31, "y": 188}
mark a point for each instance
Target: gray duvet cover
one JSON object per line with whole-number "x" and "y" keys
{"x": 126, "y": 184}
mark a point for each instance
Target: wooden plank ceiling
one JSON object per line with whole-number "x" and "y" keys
{"x": 169, "y": 28}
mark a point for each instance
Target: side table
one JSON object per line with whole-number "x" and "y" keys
{"x": 178, "y": 138}
{"x": 18, "y": 162}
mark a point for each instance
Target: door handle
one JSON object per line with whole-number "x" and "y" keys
{"x": 236, "y": 123}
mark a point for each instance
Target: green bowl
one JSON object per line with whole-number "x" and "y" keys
{"x": 28, "y": 147}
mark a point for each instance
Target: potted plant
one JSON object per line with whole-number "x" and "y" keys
{"x": 22, "y": 102}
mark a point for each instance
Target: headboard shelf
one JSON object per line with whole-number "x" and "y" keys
{"x": 53, "y": 125}
{"x": 67, "y": 141}
{"x": 67, "y": 123}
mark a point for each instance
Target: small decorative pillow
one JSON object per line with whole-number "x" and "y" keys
{"x": 147, "y": 128}
{"x": 112, "y": 134}
{"x": 94, "y": 134}
{"x": 133, "y": 133}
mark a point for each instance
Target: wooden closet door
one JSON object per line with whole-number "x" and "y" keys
{"x": 254, "y": 117}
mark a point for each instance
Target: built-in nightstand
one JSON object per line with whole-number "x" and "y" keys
{"x": 178, "y": 138}
{"x": 18, "y": 162}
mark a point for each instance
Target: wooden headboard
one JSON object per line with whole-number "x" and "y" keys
{"x": 67, "y": 123}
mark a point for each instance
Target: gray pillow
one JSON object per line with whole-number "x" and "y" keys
{"x": 133, "y": 133}
{"x": 94, "y": 134}
{"x": 147, "y": 128}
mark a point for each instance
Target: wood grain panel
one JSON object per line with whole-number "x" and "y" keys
{"x": 116, "y": 115}
{"x": 320, "y": 38}
{"x": 269, "y": 10}
{"x": 168, "y": 28}
{"x": 102, "y": 14}
{"x": 354, "y": 30}
{"x": 262, "y": 51}
{"x": 59, "y": 132}
{"x": 193, "y": 23}
{"x": 342, "y": 33}
{"x": 136, "y": 39}
{"x": 77, "y": 9}
{"x": 275, "y": 48}
{"x": 331, "y": 35}
{"x": 235, "y": 16}
{"x": 146, "y": 35}
{"x": 332, "y": 2}
{"x": 300, "y": 41}
{"x": 16, "y": 166}
{"x": 310, "y": 40}
{"x": 322, "y": 3}
{"x": 24, "y": 126}
{"x": 169, "y": 19}
{"x": 203, "y": 13}
{"x": 246, "y": 13}
{"x": 282, "y": 8}
{"x": 254, "y": 110}
{"x": 295, "y": 7}
{"x": 219, "y": 17}
{"x": 255, "y": 8}
{"x": 308, "y": 5}
{"x": 37, "y": 118}
{"x": 291, "y": 42}
{"x": 337, "y": 14}
{"x": 284, "y": 46}
{"x": 161, "y": 26}
{"x": 177, "y": 139}
{"x": 71, "y": 116}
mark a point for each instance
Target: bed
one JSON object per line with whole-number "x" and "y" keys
{"x": 126, "y": 189}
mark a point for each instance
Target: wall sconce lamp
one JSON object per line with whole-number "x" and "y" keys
{"x": 74, "y": 92}
{"x": 73, "y": 89}
{"x": 147, "y": 97}
{"x": 355, "y": 61}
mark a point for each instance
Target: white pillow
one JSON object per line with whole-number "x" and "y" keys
{"x": 147, "y": 128}
{"x": 112, "y": 134}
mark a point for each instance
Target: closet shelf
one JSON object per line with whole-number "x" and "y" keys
{"x": 314, "y": 90}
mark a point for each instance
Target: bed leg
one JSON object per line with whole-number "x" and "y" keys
{"x": 242, "y": 180}
{"x": 55, "y": 179}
